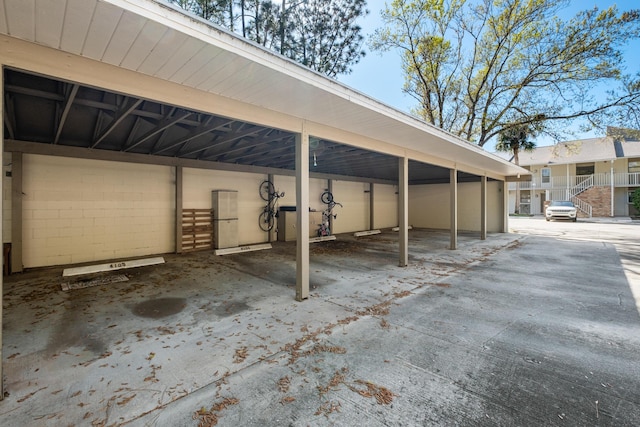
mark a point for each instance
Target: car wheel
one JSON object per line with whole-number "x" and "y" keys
{"x": 547, "y": 219}
{"x": 575, "y": 219}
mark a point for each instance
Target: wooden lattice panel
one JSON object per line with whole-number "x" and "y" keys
{"x": 197, "y": 229}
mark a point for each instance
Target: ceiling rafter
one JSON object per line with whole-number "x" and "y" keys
{"x": 248, "y": 149}
{"x": 229, "y": 138}
{"x": 222, "y": 123}
{"x": 167, "y": 122}
{"x": 36, "y": 93}
{"x": 126, "y": 108}
{"x": 70, "y": 95}
{"x": 126, "y": 125}
{"x": 9, "y": 116}
{"x": 264, "y": 154}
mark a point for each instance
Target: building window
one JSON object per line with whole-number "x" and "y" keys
{"x": 585, "y": 169}
{"x": 634, "y": 165}
{"x": 546, "y": 175}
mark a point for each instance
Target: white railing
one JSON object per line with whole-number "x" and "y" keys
{"x": 584, "y": 183}
{"x": 626, "y": 179}
{"x": 585, "y": 207}
{"x": 566, "y": 182}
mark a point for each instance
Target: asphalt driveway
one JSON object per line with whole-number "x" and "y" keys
{"x": 537, "y": 327}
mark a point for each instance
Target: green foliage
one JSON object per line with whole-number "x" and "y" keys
{"x": 515, "y": 139}
{"x": 321, "y": 34}
{"x": 635, "y": 200}
{"x": 476, "y": 67}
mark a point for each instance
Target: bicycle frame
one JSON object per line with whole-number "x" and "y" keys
{"x": 266, "y": 220}
{"x": 327, "y": 214}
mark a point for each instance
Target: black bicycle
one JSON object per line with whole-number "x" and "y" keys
{"x": 327, "y": 199}
{"x": 266, "y": 220}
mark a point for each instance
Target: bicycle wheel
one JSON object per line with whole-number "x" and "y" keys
{"x": 266, "y": 190}
{"x": 265, "y": 221}
{"x": 326, "y": 197}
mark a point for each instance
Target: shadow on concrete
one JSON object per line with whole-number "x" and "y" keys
{"x": 514, "y": 330}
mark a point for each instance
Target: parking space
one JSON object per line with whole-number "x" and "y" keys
{"x": 534, "y": 327}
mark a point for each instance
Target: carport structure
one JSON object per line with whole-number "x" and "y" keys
{"x": 141, "y": 82}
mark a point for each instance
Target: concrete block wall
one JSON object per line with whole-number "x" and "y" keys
{"x": 78, "y": 211}
{"x": 354, "y": 196}
{"x": 199, "y": 183}
{"x": 288, "y": 185}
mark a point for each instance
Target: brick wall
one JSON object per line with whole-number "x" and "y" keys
{"x": 600, "y": 200}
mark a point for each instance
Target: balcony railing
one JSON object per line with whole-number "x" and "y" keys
{"x": 571, "y": 181}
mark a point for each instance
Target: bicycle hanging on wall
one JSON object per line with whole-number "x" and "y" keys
{"x": 266, "y": 220}
{"x": 327, "y": 214}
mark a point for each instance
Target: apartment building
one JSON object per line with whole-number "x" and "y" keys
{"x": 598, "y": 174}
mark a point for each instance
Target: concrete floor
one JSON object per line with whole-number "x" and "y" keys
{"x": 537, "y": 327}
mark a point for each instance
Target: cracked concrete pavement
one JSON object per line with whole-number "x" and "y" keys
{"x": 536, "y": 327}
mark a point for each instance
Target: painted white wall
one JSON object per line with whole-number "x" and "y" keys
{"x": 85, "y": 210}
{"x": 199, "y": 183}
{"x": 88, "y": 210}
{"x": 429, "y": 206}
{"x": 385, "y": 212}
{"x": 6, "y": 199}
{"x": 354, "y": 213}
{"x": 288, "y": 185}
{"x": 621, "y": 202}
{"x": 495, "y": 208}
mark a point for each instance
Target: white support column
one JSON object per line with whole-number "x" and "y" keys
{"x": 612, "y": 191}
{"x": 505, "y": 206}
{"x": 453, "y": 210}
{"x": 403, "y": 210}
{"x": 302, "y": 215}
{"x": 483, "y": 208}
{"x": 1, "y": 221}
{"x": 178, "y": 209}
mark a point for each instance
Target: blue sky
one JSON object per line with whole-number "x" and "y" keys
{"x": 380, "y": 76}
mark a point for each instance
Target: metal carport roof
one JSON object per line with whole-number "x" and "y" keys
{"x": 138, "y": 80}
{"x": 352, "y": 134}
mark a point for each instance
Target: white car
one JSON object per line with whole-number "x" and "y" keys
{"x": 561, "y": 209}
